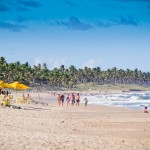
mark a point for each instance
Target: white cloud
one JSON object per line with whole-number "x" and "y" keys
{"x": 38, "y": 60}
{"x": 52, "y": 61}
{"x": 92, "y": 63}
{"x": 55, "y": 61}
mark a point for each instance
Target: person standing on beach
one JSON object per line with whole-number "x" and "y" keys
{"x": 86, "y": 101}
{"x": 77, "y": 99}
{"x": 59, "y": 99}
{"x": 68, "y": 100}
{"x": 72, "y": 97}
{"x": 62, "y": 99}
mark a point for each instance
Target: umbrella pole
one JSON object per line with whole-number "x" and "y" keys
{"x": 16, "y": 93}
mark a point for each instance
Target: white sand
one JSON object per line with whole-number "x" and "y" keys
{"x": 51, "y": 127}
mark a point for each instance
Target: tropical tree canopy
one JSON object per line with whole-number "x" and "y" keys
{"x": 68, "y": 77}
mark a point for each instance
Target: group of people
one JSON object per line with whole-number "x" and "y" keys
{"x": 71, "y": 99}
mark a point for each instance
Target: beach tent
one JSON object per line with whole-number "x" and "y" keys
{"x": 19, "y": 86}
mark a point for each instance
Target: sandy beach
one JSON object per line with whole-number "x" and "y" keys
{"x": 38, "y": 127}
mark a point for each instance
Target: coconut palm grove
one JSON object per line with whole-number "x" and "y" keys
{"x": 40, "y": 75}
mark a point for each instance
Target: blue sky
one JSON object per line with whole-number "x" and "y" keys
{"x": 104, "y": 33}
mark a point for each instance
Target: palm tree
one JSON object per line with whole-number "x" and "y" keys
{"x": 3, "y": 68}
{"x": 61, "y": 77}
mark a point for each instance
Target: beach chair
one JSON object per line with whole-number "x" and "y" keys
{"x": 11, "y": 99}
{"x": 10, "y": 96}
{"x": 21, "y": 100}
{"x": 18, "y": 100}
{"x": 0, "y": 98}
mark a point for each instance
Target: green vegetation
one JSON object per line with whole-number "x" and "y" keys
{"x": 110, "y": 87}
{"x": 72, "y": 78}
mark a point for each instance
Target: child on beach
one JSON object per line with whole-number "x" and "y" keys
{"x": 145, "y": 110}
{"x": 28, "y": 96}
{"x": 86, "y": 101}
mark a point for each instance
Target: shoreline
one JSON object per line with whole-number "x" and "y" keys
{"x": 102, "y": 99}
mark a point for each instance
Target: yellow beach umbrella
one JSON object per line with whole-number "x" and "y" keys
{"x": 19, "y": 86}
{"x": 1, "y": 87}
{"x": 4, "y": 84}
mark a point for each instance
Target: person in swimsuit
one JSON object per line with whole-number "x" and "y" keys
{"x": 77, "y": 99}
{"x": 59, "y": 99}
{"x": 62, "y": 99}
{"x": 68, "y": 100}
{"x": 72, "y": 98}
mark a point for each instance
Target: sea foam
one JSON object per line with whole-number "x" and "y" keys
{"x": 134, "y": 101}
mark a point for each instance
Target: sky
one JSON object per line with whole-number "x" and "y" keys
{"x": 92, "y": 33}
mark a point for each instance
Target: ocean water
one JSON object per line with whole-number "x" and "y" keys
{"x": 135, "y": 101}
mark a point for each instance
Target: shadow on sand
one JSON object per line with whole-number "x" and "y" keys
{"x": 35, "y": 108}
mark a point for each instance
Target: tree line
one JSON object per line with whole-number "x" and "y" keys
{"x": 40, "y": 75}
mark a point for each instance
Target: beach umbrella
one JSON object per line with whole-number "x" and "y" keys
{"x": 19, "y": 86}
{"x": 1, "y": 87}
{"x": 4, "y": 84}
